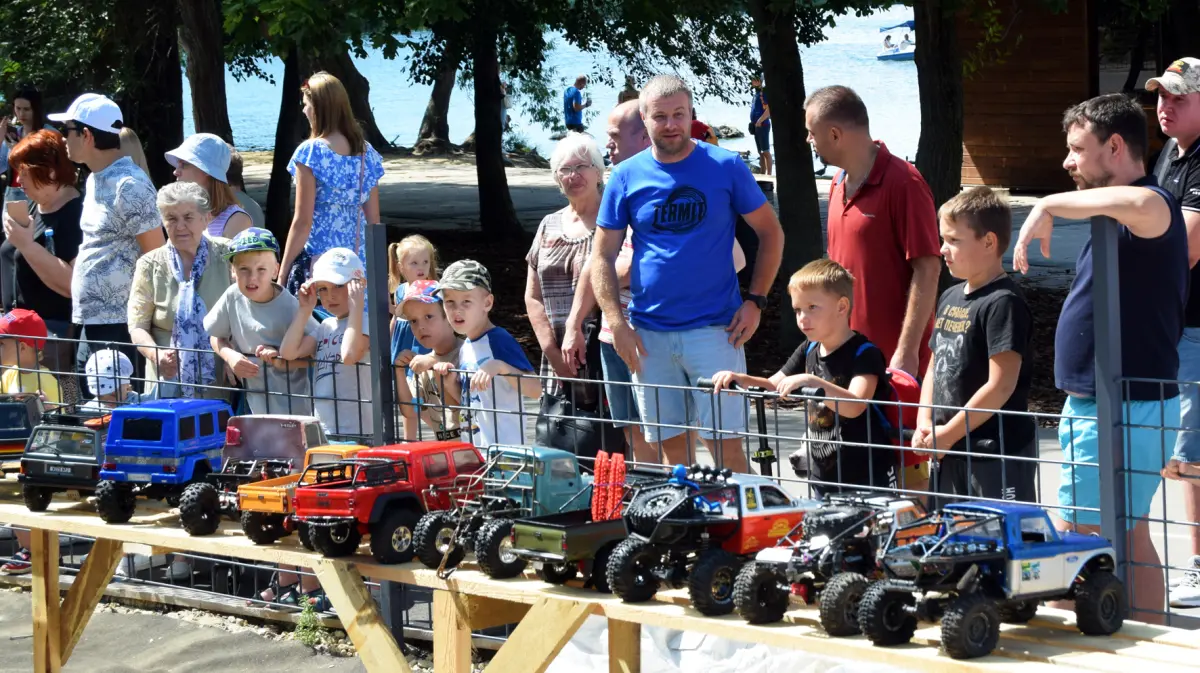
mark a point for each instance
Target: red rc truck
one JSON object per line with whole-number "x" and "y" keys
{"x": 382, "y": 493}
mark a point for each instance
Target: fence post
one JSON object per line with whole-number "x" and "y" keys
{"x": 1106, "y": 303}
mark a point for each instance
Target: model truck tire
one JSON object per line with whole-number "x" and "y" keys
{"x": 1019, "y": 612}
{"x": 833, "y": 520}
{"x": 839, "y": 604}
{"x": 340, "y": 539}
{"x": 304, "y": 532}
{"x": 631, "y": 571}
{"x": 710, "y": 584}
{"x": 493, "y": 550}
{"x": 885, "y": 615}
{"x": 970, "y": 626}
{"x": 36, "y": 498}
{"x": 263, "y": 528}
{"x": 392, "y": 536}
{"x": 200, "y": 509}
{"x": 556, "y": 573}
{"x": 758, "y": 594}
{"x": 115, "y": 503}
{"x": 651, "y": 505}
{"x": 599, "y": 572}
{"x": 433, "y": 538}
{"x": 1100, "y": 604}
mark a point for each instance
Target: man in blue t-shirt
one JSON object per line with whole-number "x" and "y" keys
{"x": 1106, "y": 139}
{"x": 574, "y": 105}
{"x": 760, "y": 124}
{"x": 681, "y": 200}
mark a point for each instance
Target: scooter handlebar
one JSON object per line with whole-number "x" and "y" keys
{"x": 804, "y": 391}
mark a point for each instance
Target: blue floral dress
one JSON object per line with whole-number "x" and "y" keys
{"x": 338, "y": 209}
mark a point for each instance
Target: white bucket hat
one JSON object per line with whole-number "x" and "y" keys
{"x": 205, "y": 151}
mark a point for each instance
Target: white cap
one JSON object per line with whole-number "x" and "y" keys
{"x": 338, "y": 266}
{"x": 104, "y": 368}
{"x": 97, "y": 111}
{"x": 205, "y": 151}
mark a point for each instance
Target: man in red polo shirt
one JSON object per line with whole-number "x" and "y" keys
{"x": 882, "y": 228}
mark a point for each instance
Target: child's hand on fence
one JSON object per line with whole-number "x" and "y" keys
{"x": 923, "y": 437}
{"x": 482, "y": 378}
{"x": 243, "y": 367}
{"x": 404, "y": 359}
{"x": 443, "y": 368}
{"x": 723, "y": 380}
{"x": 795, "y": 382}
{"x": 168, "y": 363}
{"x": 307, "y": 297}
{"x": 421, "y": 363}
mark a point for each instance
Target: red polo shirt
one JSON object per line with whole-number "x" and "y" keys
{"x": 888, "y": 223}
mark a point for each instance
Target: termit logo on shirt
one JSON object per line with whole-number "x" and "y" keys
{"x": 683, "y": 211}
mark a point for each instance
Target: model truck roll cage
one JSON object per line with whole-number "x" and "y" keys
{"x": 880, "y": 506}
{"x": 483, "y": 490}
{"x": 711, "y": 512}
{"x": 949, "y": 546}
{"x": 356, "y": 472}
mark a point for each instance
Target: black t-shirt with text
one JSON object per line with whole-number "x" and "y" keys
{"x": 831, "y": 438}
{"x": 20, "y": 285}
{"x": 971, "y": 328}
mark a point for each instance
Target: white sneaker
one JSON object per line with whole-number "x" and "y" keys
{"x": 1185, "y": 593}
{"x": 179, "y": 570}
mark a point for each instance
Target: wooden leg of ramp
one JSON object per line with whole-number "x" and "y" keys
{"x": 86, "y": 591}
{"x": 624, "y": 646}
{"x": 47, "y": 628}
{"x": 371, "y": 637}
{"x": 540, "y": 636}
{"x": 451, "y": 632}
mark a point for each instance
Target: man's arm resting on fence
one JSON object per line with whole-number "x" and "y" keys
{"x": 1142, "y": 210}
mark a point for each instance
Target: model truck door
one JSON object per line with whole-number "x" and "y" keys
{"x": 767, "y": 515}
{"x": 561, "y": 483}
{"x": 1037, "y": 556}
{"x": 436, "y": 467}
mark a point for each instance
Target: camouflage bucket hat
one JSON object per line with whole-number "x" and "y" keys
{"x": 465, "y": 274}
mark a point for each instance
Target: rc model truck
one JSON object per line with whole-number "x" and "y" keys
{"x": 257, "y": 447}
{"x": 62, "y": 455}
{"x": 830, "y": 557}
{"x": 988, "y": 563}
{"x": 697, "y": 531}
{"x": 19, "y": 413}
{"x": 381, "y": 492}
{"x": 267, "y": 506}
{"x": 156, "y": 450}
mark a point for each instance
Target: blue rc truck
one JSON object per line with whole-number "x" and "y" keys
{"x": 156, "y": 449}
{"x": 989, "y": 563}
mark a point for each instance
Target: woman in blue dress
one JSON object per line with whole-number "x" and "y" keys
{"x": 337, "y": 174}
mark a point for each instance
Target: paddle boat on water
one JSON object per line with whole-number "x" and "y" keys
{"x": 902, "y": 50}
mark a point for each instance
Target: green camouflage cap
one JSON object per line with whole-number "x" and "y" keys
{"x": 465, "y": 274}
{"x": 254, "y": 239}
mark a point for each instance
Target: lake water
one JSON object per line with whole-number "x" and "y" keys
{"x": 846, "y": 57}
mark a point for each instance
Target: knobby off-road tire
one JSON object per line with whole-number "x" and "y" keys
{"x": 262, "y": 527}
{"x": 599, "y": 574}
{"x": 710, "y": 584}
{"x": 839, "y": 604}
{"x": 650, "y": 505}
{"x": 630, "y": 571}
{"x": 970, "y": 626}
{"x": 884, "y": 615}
{"x": 759, "y": 594}
{"x": 1100, "y": 604}
{"x": 392, "y": 536}
{"x": 115, "y": 502}
{"x": 200, "y": 509}
{"x": 37, "y": 498}
{"x": 433, "y": 535}
{"x": 556, "y": 573}
{"x": 333, "y": 541}
{"x": 304, "y": 532}
{"x": 1018, "y": 613}
{"x": 494, "y": 550}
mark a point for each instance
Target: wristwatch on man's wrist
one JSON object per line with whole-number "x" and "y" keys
{"x": 759, "y": 301}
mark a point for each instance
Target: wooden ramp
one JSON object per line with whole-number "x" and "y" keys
{"x": 548, "y": 615}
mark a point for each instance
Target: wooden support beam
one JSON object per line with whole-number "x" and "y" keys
{"x": 371, "y": 637}
{"x": 624, "y": 646}
{"x": 539, "y": 637}
{"x": 451, "y": 633}
{"x": 484, "y": 613}
{"x": 47, "y": 650}
{"x": 86, "y": 591}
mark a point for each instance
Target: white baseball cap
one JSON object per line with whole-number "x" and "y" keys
{"x": 98, "y": 112}
{"x": 103, "y": 370}
{"x": 338, "y": 266}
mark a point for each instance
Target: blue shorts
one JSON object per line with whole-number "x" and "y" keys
{"x": 680, "y": 359}
{"x": 622, "y": 404}
{"x": 762, "y": 138}
{"x": 1187, "y": 444}
{"x": 1146, "y": 451}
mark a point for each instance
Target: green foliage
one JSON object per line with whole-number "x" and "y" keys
{"x": 308, "y": 627}
{"x": 61, "y": 46}
{"x": 516, "y": 142}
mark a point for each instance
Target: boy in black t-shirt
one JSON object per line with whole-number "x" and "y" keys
{"x": 980, "y": 361}
{"x": 851, "y": 370}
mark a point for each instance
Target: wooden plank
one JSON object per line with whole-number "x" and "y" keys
{"x": 86, "y": 591}
{"x": 371, "y": 637}
{"x": 624, "y": 647}
{"x": 47, "y": 650}
{"x": 485, "y": 613}
{"x": 451, "y": 634}
{"x": 1064, "y": 620}
{"x": 532, "y": 646}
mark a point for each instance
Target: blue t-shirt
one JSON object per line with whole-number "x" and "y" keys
{"x": 402, "y": 335}
{"x": 571, "y": 97}
{"x": 493, "y": 414}
{"x": 683, "y": 216}
{"x": 1153, "y": 290}
{"x": 758, "y": 105}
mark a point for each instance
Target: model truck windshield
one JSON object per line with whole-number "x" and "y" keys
{"x": 64, "y": 442}
{"x": 142, "y": 429}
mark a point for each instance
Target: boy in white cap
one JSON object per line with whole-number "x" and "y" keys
{"x": 108, "y": 373}
{"x": 119, "y": 222}
{"x": 342, "y": 380}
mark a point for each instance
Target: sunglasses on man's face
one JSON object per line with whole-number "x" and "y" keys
{"x": 67, "y": 129}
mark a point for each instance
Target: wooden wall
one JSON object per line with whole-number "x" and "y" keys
{"x": 1012, "y": 111}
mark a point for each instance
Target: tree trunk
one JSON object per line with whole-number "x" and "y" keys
{"x": 795, "y": 188}
{"x": 1137, "y": 58}
{"x": 497, "y": 218}
{"x": 1179, "y": 35}
{"x": 939, "y": 81}
{"x": 341, "y": 66}
{"x": 153, "y": 103}
{"x": 434, "y": 136}
{"x": 287, "y": 137}
{"x": 203, "y": 37}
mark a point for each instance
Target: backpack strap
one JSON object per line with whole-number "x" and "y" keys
{"x": 811, "y": 345}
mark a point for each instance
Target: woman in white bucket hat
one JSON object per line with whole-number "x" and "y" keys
{"x": 204, "y": 160}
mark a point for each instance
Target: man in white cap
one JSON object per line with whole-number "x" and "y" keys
{"x": 1178, "y": 171}
{"x": 119, "y": 222}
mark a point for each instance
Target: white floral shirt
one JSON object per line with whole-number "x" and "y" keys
{"x": 118, "y": 206}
